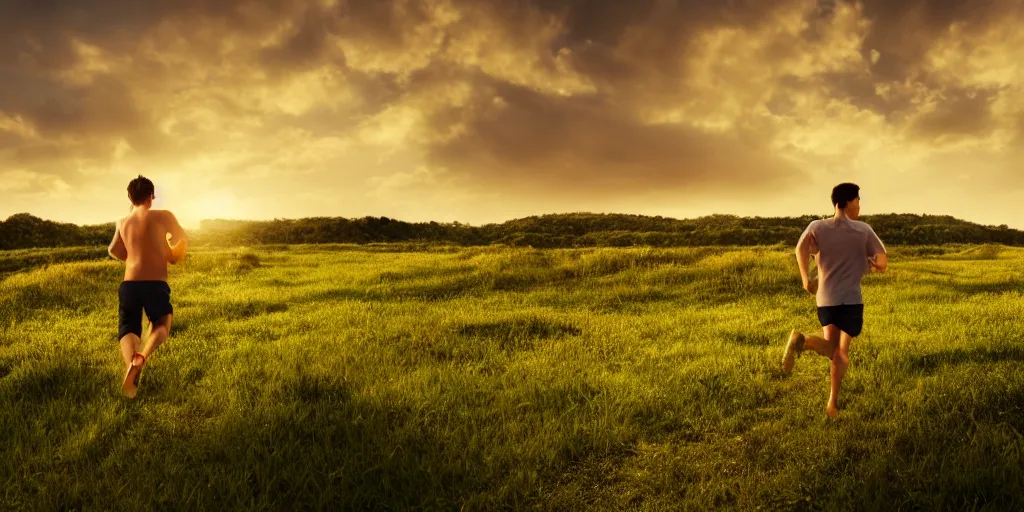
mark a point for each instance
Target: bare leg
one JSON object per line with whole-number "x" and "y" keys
{"x": 158, "y": 334}
{"x": 129, "y": 345}
{"x": 840, "y": 363}
{"x": 129, "y": 351}
{"x": 826, "y": 345}
{"x": 799, "y": 342}
{"x": 161, "y": 330}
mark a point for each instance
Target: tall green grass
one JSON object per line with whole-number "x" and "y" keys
{"x": 487, "y": 378}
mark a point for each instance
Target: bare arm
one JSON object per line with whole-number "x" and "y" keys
{"x": 117, "y": 249}
{"x": 877, "y": 256}
{"x": 174, "y": 229}
{"x": 804, "y": 249}
{"x": 803, "y": 257}
{"x": 178, "y": 239}
{"x": 879, "y": 262}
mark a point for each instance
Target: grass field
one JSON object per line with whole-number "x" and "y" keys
{"x": 488, "y": 378}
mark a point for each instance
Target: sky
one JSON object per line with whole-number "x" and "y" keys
{"x": 482, "y": 111}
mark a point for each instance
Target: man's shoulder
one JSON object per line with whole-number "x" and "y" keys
{"x": 163, "y": 214}
{"x": 815, "y": 224}
{"x": 861, "y": 225}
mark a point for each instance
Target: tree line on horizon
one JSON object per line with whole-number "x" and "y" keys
{"x": 22, "y": 231}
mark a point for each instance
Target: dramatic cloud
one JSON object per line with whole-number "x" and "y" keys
{"x": 478, "y": 110}
{"x": 528, "y": 142}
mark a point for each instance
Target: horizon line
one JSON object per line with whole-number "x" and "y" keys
{"x": 276, "y": 219}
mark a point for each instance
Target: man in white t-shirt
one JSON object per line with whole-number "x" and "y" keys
{"x": 846, "y": 249}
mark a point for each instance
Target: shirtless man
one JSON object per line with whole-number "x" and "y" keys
{"x": 846, "y": 249}
{"x": 141, "y": 241}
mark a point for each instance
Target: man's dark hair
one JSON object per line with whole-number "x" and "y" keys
{"x": 843, "y": 193}
{"x": 140, "y": 189}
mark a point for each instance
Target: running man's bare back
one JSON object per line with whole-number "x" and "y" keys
{"x": 143, "y": 236}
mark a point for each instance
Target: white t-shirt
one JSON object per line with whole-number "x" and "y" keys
{"x": 843, "y": 247}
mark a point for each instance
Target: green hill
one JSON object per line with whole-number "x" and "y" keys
{"x": 557, "y": 230}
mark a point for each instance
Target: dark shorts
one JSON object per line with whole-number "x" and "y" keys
{"x": 135, "y": 296}
{"x": 849, "y": 318}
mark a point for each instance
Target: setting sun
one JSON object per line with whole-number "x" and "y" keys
{"x": 209, "y": 205}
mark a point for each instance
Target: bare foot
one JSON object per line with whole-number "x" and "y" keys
{"x": 832, "y": 411}
{"x": 794, "y": 346}
{"x": 130, "y": 385}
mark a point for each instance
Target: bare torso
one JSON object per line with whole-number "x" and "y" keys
{"x": 144, "y": 232}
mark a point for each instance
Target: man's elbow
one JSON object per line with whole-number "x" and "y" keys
{"x": 178, "y": 237}
{"x": 180, "y": 244}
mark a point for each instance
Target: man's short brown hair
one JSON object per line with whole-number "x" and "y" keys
{"x": 843, "y": 193}
{"x": 140, "y": 190}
